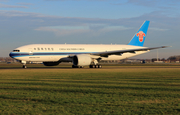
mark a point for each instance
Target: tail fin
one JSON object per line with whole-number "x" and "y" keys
{"x": 139, "y": 38}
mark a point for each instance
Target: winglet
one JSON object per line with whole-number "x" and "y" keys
{"x": 139, "y": 38}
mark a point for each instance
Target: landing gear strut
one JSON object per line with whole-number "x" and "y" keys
{"x": 95, "y": 64}
{"x": 24, "y": 64}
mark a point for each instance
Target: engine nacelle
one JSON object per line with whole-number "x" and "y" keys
{"x": 51, "y": 63}
{"x": 82, "y": 60}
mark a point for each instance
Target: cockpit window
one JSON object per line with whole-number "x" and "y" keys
{"x": 16, "y": 50}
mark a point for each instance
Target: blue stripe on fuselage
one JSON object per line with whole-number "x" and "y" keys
{"x": 23, "y": 54}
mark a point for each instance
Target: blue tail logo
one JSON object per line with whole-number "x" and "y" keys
{"x": 141, "y": 35}
{"x": 139, "y": 38}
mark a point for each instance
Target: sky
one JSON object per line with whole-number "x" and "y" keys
{"x": 24, "y": 22}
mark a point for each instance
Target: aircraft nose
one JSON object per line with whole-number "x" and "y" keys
{"x": 10, "y": 54}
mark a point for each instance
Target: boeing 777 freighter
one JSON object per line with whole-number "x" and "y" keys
{"x": 82, "y": 54}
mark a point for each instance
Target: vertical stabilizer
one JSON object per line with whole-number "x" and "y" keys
{"x": 139, "y": 38}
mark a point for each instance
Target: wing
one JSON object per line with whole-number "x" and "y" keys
{"x": 119, "y": 52}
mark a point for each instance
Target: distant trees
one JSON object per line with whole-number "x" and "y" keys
{"x": 174, "y": 58}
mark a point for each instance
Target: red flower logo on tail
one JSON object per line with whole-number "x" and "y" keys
{"x": 141, "y": 34}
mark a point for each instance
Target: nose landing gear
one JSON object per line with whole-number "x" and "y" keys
{"x": 24, "y": 64}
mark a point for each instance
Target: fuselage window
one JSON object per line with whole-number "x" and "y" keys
{"x": 38, "y": 48}
{"x": 48, "y": 48}
{"x": 41, "y": 48}
{"x": 51, "y": 48}
{"x": 34, "y": 48}
{"x": 45, "y": 48}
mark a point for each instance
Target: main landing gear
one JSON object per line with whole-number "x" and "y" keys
{"x": 90, "y": 66}
{"x": 95, "y": 66}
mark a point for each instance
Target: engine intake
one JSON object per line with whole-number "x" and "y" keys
{"x": 82, "y": 60}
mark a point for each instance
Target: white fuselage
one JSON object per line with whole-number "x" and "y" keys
{"x": 61, "y": 52}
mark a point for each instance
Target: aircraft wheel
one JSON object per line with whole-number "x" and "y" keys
{"x": 91, "y": 66}
{"x": 24, "y": 66}
{"x": 99, "y": 66}
{"x": 95, "y": 66}
{"x": 73, "y": 66}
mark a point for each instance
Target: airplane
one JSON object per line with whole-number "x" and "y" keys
{"x": 83, "y": 54}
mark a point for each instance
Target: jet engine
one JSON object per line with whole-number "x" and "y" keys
{"x": 81, "y": 60}
{"x": 51, "y": 63}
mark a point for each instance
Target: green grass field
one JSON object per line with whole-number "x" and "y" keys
{"x": 128, "y": 89}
